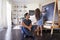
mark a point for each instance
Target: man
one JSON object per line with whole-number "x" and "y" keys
{"x": 27, "y": 25}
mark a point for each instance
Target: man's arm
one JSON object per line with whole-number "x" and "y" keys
{"x": 28, "y": 27}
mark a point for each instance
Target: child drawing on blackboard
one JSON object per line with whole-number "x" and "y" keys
{"x": 39, "y": 20}
{"x": 44, "y": 15}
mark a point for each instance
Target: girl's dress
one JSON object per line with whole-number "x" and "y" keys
{"x": 40, "y": 21}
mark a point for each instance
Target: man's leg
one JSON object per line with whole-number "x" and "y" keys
{"x": 27, "y": 32}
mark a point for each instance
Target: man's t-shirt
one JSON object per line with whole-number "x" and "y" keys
{"x": 27, "y": 22}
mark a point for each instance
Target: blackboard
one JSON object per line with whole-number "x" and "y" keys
{"x": 50, "y": 12}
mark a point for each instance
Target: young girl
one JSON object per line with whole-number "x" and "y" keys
{"x": 39, "y": 19}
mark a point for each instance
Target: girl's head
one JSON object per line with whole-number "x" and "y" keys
{"x": 37, "y": 13}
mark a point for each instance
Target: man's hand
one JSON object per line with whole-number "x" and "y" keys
{"x": 29, "y": 28}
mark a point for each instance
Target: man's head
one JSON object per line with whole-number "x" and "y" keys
{"x": 26, "y": 15}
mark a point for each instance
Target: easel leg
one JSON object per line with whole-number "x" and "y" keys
{"x": 51, "y": 30}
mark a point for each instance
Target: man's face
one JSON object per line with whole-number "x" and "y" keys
{"x": 28, "y": 16}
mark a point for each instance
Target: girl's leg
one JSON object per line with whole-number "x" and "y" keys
{"x": 38, "y": 31}
{"x": 41, "y": 30}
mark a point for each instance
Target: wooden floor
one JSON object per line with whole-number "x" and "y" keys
{"x": 17, "y": 35}
{"x": 2, "y": 34}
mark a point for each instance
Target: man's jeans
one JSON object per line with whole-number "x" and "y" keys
{"x": 28, "y": 32}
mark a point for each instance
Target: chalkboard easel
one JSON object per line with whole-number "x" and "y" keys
{"x": 55, "y": 11}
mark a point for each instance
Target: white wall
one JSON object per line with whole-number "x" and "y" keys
{"x": 32, "y": 6}
{"x": 8, "y": 13}
{"x": 59, "y": 5}
{"x": 3, "y": 13}
{"x": 29, "y": 7}
{"x": 8, "y": 33}
{"x": 0, "y": 13}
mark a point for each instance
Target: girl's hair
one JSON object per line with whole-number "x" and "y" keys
{"x": 37, "y": 13}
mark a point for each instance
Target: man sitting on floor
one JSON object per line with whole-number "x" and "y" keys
{"x": 27, "y": 25}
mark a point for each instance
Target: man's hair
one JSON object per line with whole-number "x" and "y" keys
{"x": 25, "y": 15}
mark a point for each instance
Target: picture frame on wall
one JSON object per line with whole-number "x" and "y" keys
{"x": 31, "y": 12}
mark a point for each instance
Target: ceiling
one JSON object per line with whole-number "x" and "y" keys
{"x": 42, "y": 2}
{"x": 30, "y": 1}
